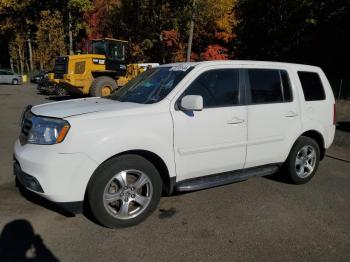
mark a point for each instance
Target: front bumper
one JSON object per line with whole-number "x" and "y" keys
{"x": 62, "y": 177}
{"x": 26, "y": 180}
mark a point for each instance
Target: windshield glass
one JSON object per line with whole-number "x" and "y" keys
{"x": 151, "y": 86}
{"x": 98, "y": 47}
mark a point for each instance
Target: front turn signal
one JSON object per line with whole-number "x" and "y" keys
{"x": 62, "y": 134}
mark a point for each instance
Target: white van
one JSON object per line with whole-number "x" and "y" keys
{"x": 183, "y": 127}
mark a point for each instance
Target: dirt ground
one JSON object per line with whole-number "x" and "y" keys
{"x": 261, "y": 219}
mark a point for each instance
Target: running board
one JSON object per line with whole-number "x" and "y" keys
{"x": 199, "y": 183}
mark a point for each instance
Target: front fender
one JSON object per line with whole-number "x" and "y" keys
{"x": 103, "y": 138}
{"x": 150, "y": 142}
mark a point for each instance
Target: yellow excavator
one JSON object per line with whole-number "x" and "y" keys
{"x": 100, "y": 71}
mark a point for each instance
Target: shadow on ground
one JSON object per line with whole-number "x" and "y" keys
{"x": 344, "y": 126}
{"x": 279, "y": 177}
{"x": 18, "y": 242}
{"x": 38, "y": 200}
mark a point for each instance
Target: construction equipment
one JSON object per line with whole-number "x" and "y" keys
{"x": 100, "y": 71}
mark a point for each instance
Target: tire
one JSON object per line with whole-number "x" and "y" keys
{"x": 303, "y": 160}
{"x": 15, "y": 81}
{"x": 60, "y": 91}
{"x": 116, "y": 204}
{"x": 101, "y": 84}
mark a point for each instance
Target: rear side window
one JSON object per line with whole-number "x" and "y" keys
{"x": 269, "y": 86}
{"x": 312, "y": 86}
{"x": 217, "y": 87}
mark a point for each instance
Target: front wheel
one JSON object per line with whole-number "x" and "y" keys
{"x": 103, "y": 86}
{"x": 303, "y": 160}
{"x": 124, "y": 191}
{"x": 15, "y": 82}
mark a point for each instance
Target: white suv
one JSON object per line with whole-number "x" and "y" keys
{"x": 176, "y": 127}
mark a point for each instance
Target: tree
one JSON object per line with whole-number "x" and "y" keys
{"x": 14, "y": 27}
{"x": 214, "y": 22}
{"x": 215, "y": 52}
{"x": 301, "y": 31}
{"x": 49, "y": 39}
{"x": 17, "y": 52}
{"x": 100, "y": 19}
{"x": 158, "y": 30}
{"x": 76, "y": 21}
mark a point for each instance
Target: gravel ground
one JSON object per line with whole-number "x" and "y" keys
{"x": 261, "y": 219}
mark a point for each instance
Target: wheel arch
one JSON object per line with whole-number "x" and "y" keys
{"x": 318, "y": 137}
{"x": 156, "y": 160}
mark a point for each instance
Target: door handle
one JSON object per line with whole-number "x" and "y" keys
{"x": 235, "y": 120}
{"x": 291, "y": 114}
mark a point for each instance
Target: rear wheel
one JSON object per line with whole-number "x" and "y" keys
{"x": 103, "y": 86}
{"x": 15, "y": 82}
{"x": 303, "y": 160}
{"x": 124, "y": 191}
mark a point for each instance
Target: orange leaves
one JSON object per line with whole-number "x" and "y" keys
{"x": 215, "y": 52}
{"x": 224, "y": 36}
{"x": 171, "y": 38}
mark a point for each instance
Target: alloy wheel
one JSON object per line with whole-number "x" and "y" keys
{"x": 128, "y": 194}
{"x": 305, "y": 161}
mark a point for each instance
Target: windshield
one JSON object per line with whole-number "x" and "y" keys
{"x": 151, "y": 86}
{"x": 98, "y": 47}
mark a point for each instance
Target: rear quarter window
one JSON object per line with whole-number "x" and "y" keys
{"x": 312, "y": 86}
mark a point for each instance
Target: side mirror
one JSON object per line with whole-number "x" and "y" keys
{"x": 192, "y": 103}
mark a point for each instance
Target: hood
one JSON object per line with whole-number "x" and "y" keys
{"x": 81, "y": 106}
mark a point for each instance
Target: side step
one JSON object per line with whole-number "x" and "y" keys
{"x": 224, "y": 178}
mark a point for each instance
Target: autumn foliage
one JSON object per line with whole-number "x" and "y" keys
{"x": 215, "y": 52}
{"x": 305, "y": 31}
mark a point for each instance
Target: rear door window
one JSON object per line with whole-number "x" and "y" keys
{"x": 269, "y": 86}
{"x": 312, "y": 86}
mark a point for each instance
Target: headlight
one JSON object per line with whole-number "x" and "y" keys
{"x": 98, "y": 61}
{"x": 47, "y": 131}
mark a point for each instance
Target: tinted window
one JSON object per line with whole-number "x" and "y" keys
{"x": 217, "y": 87}
{"x": 312, "y": 86}
{"x": 98, "y": 47}
{"x": 269, "y": 86}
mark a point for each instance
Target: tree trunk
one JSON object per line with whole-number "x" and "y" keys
{"x": 18, "y": 66}
{"x": 70, "y": 33}
{"x": 21, "y": 60}
{"x": 190, "y": 34}
{"x": 30, "y": 55}
{"x": 27, "y": 66}
{"x": 190, "y": 38}
{"x": 11, "y": 64}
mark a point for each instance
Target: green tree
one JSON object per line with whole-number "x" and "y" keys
{"x": 76, "y": 19}
{"x": 49, "y": 39}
